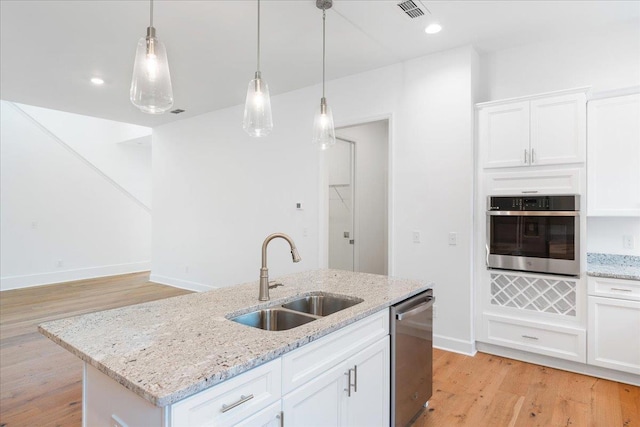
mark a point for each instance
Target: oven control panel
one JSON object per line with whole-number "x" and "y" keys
{"x": 534, "y": 203}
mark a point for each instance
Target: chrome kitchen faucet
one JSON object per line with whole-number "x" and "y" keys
{"x": 264, "y": 271}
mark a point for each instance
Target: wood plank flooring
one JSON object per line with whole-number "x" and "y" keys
{"x": 487, "y": 390}
{"x": 40, "y": 383}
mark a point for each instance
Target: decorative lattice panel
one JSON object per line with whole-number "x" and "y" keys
{"x": 532, "y": 293}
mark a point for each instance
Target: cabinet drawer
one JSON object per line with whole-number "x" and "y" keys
{"x": 564, "y": 181}
{"x": 614, "y": 288}
{"x": 550, "y": 340}
{"x": 304, "y": 364}
{"x": 249, "y": 392}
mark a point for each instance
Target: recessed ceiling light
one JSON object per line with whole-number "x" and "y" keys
{"x": 97, "y": 81}
{"x": 433, "y": 28}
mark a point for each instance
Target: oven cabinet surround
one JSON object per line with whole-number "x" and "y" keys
{"x": 613, "y": 152}
{"x": 537, "y": 313}
{"x": 309, "y": 383}
{"x": 614, "y": 324}
{"x": 544, "y": 129}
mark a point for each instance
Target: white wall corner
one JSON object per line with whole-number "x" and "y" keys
{"x": 455, "y": 345}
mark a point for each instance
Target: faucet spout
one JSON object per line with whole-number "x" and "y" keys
{"x": 264, "y": 271}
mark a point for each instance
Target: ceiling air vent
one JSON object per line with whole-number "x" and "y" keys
{"x": 177, "y": 111}
{"x": 411, "y": 9}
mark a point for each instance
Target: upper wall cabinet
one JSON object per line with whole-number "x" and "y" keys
{"x": 540, "y": 130}
{"x": 613, "y": 168}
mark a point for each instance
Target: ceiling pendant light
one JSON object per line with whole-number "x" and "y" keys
{"x": 151, "y": 88}
{"x": 323, "y": 131}
{"x": 257, "y": 108}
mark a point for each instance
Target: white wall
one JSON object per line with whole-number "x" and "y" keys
{"x": 60, "y": 219}
{"x": 605, "y": 235}
{"x": 120, "y": 150}
{"x": 606, "y": 61}
{"x": 371, "y": 201}
{"x": 218, "y": 193}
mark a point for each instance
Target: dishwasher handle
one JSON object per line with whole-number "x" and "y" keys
{"x": 417, "y": 309}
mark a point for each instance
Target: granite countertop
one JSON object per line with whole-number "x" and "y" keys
{"x": 170, "y": 349}
{"x": 614, "y": 266}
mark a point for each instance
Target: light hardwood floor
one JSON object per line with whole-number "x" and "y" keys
{"x": 40, "y": 383}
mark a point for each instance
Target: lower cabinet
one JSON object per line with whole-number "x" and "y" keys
{"x": 353, "y": 393}
{"x": 341, "y": 379}
{"x": 614, "y": 334}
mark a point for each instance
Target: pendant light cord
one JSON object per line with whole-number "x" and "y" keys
{"x": 258, "y": 68}
{"x": 151, "y": 14}
{"x": 323, "y": 47}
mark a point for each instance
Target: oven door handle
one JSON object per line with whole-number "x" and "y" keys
{"x": 417, "y": 309}
{"x": 533, "y": 213}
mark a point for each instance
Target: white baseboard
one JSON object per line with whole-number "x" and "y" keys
{"x": 179, "y": 283}
{"x": 565, "y": 365}
{"x": 455, "y": 345}
{"x": 30, "y": 280}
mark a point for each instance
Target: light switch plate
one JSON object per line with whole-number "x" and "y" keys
{"x": 453, "y": 238}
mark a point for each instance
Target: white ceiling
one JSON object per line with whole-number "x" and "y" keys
{"x": 50, "y": 49}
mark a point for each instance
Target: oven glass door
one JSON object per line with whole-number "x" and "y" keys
{"x": 537, "y": 236}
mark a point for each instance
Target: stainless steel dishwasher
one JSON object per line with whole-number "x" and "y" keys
{"x": 411, "y": 357}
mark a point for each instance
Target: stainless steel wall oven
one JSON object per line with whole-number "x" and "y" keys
{"x": 537, "y": 233}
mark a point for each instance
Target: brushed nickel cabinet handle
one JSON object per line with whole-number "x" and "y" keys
{"x": 280, "y": 416}
{"x": 621, "y": 290}
{"x": 242, "y": 400}
{"x": 355, "y": 378}
{"x": 530, "y": 337}
{"x": 525, "y": 156}
{"x": 533, "y": 155}
{"x": 348, "y": 389}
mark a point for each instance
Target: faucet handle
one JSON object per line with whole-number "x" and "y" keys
{"x": 275, "y": 284}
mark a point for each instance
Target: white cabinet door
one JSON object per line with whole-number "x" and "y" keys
{"x": 268, "y": 417}
{"x": 504, "y": 134}
{"x": 328, "y": 400}
{"x": 614, "y": 334}
{"x": 613, "y": 169}
{"x": 558, "y": 129}
{"x": 368, "y": 405}
{"x": 320, "y": 402}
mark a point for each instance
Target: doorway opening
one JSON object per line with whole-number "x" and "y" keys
{"x": 358, "y": 199}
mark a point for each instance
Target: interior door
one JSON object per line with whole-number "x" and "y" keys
{"x": 341, "y": 205}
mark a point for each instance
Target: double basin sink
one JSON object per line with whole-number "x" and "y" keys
{"x": 297, "y": 312}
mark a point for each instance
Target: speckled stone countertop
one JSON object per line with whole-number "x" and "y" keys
{"x": 614, "y": 266}
{"x": 170, "y": 349}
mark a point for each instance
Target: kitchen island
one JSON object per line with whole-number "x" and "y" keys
{"x": 171, "y": 350}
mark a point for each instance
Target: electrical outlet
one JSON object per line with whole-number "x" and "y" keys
{"x": 416, "y": 236}
{"x": 186, "y": 268}
{"x": 59, "y": 263}
{"x": 628, "y": 242}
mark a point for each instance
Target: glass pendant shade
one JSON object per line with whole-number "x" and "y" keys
{"x": 323, "y": 132}
{"x": 257, "y": 109}
{"x": 151, "y": 89}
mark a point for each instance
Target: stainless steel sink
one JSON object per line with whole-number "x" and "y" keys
{"x": 273, "y": 319}
{"x": 321, "y": 305}
{"x": 297, "y": 312}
